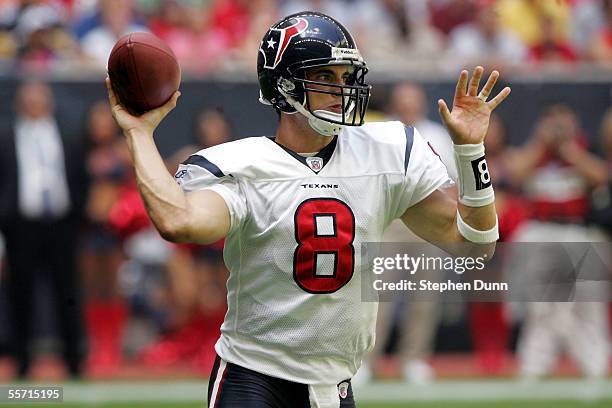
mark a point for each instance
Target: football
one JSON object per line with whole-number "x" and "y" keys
{"x": 143, "y": 71}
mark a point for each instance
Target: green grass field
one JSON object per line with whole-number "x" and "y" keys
{"x": 556, "y": 393}
{"x": 492, "y": 404}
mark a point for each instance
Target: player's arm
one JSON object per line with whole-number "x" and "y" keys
{"x": 440, "y": 217}
{"x": 435, "y": 220}
{"x": 199, "y": 217}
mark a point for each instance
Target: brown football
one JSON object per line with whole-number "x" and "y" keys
{"x": 143, "y": 71}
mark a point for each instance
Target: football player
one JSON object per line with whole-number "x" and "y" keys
{"x": 295, "y": 209}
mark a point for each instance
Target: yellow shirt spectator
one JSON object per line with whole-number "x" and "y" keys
{"x": 524, "y": 17}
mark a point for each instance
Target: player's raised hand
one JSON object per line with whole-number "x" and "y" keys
{"x": 147, "y": 122}
{"x": 468, "y": 122}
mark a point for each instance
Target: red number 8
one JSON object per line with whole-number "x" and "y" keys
{"x": 312, "y": 242}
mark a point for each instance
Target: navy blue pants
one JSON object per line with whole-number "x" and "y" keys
{"x": 232, "y": 386}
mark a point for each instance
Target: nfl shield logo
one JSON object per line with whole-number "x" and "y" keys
{"x": 343, "y": 390}
{"x": 315, "y": 163}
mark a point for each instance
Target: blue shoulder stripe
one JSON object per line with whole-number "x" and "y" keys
{"x": 409, "y": 139}
{"x": 203, "y": 162}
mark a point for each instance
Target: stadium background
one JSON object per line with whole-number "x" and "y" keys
{"x": 168, "y": 330}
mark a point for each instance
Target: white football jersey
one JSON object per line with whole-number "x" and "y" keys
{"x": 294, "y": 246}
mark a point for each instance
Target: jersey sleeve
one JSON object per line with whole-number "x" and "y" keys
{"x": 199, "y": 173}
{"x": 424, "y": 172}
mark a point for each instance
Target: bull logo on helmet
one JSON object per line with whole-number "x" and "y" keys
{"x": 281, "y": 37}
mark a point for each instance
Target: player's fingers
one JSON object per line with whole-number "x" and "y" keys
{"x": 443, "y": 110}
{"x": 171, "y": 104}
{"x": 488, "y": 87}
{"x": 499, "y": 98}
{"x": 475, "y": 81}
{"x": 461, "y": 89}
{"x": 112, "y": 98}
{"x": 175, "y": 97}
{"x": 156, "y": 115}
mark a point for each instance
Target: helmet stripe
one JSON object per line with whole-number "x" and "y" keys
{"x": 287, "y": 34}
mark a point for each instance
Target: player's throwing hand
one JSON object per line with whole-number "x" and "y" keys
{"x": 145, "y": 123}
{"x": 469, "y": 120}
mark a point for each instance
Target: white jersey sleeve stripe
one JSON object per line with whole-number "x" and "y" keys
{"x": 203, "y": 162}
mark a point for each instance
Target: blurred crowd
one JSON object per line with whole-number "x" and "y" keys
{"x": 220, "y": 36}
{"x": 72, "y": 217}
{"x": 72, "y": 220}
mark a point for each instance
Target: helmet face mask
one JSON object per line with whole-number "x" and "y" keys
{"x": 305, "y": 41}
{"x": 354, "y": 97}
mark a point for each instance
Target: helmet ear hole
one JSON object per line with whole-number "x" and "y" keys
{"x": 287, "y": 85}
{"x": 295, "y": 89}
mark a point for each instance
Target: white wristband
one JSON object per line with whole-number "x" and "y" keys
{"x": 477, "y": 236}
{"x": 475, "y": 187}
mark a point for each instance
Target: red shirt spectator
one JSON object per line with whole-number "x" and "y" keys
{"x": 447, "y": 15}
{"x": 563, "y": 52}
{"x": 232, "y": 18}
{"x": 197, "y": 46}
{"x": 551, "y": 47}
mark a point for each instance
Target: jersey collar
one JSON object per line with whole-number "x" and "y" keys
{"x": 318, "y": 161}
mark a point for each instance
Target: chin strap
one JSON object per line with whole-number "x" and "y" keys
{"x": 321, "y": 126}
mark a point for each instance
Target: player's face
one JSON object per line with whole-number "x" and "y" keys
{"x": 35, "y": 100}
{"x": 335, "y": 75}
